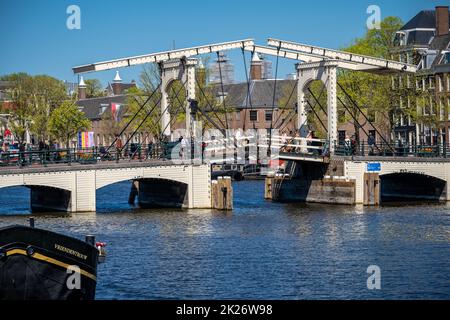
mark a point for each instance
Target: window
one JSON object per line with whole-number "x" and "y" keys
{"x": 268, "y": 115}
{"x": 341, "y": 136}
{"x": 448, "y": 108}
{"x": 238, "y": 115}
{"x": 431, "y": 82}
{"x": 447, "y": 57}
{"x": 372, "y": 133}
{"x": 253, "y": 115}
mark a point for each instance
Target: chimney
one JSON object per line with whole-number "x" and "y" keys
{"x": 442, "y": 24}
{"x": 256, "y": 67}
{"x": 117, "y": 84}
{"x": 81, "y": 89}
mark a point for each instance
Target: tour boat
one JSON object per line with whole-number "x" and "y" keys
{"x": 37, "y": 264}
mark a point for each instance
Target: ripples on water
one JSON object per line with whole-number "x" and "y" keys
{"x": 261, "y": 250}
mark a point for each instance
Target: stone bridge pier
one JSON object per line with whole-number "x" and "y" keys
{"x": 363, "y": 180}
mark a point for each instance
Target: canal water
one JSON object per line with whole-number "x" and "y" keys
{"x": 261, "y": 250}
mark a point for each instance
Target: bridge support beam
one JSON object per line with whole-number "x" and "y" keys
{"x": 184, "y": 71}
{"x": 326, "y": 72}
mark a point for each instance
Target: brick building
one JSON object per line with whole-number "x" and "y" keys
{"x": 422, "y": 113}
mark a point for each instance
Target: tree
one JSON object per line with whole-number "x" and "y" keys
{"x": 32, "y": 101}
{"x": 94, "y": 88}
{"x": 20, "y": 109}
{"x": 47, "y": 94}
{"x": 66, "y": 121}
{"x": 372, "y": 93}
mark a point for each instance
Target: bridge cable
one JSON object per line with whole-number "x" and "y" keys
{"x": 317, "y": 101}
{"x": 365, "y": 117}
{"x": 134, "y": 116}
{"x": 287, "y": 103}
{"x": 208, "y": 102}
{"x": 172, "y": 120}
{"x": 356, "y": 121}
{"x": 154, "y": 124}
{"x": 149, "y": 113}
{"x": 285, "y": 123}
{"x": 317, "y": 116}
{"x": 348, "y": 110}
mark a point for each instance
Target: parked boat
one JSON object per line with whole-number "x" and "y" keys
{"x": 37, "y": 264}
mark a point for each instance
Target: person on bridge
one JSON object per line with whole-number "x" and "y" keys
{"x": 297, "y": 142}
{"x": 184, "y": 147}
{"x": 284, "y": 141}
{"x": 119, "y": 146}
{"x": 371, "y": 143}
{"x": 353, "y": 144}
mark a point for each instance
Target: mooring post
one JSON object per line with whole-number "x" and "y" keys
{"x": 31, "y": 222}
{"x": 90, "y": 239}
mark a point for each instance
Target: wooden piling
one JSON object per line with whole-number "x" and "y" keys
{"x": 222, "y": 194}
{"x": 371, "y": 189}
{"x": 268, "y": 188}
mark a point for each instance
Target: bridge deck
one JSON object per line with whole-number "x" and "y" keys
{"x": 60, "y": 167}
{"x": 393, "y": 158}
{"x": 302, "y": 157}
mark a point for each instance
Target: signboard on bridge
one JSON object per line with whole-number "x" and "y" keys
{"x": 373, "y": 167}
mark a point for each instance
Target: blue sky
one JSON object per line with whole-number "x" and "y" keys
{"x": 34, "y": 37}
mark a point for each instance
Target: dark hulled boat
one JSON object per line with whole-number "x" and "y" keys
{"x": 37, "y": 264}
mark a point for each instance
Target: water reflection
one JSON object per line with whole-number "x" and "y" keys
{"x": 261, "y": 250}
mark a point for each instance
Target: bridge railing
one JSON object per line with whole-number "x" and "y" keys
{"x": 396, "y": 149}
{"x": 92, "y": 155}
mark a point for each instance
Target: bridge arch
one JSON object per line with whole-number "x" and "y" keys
{"x": 148, "y": 192}
{"x": 40, "y": 198}
{"x": 326, "y": 72}
{"x": 410, "y": 186}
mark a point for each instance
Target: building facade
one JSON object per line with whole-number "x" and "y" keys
{"x": 422, "y": 112}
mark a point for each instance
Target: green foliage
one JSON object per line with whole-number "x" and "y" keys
{"x": 94, "y": 88}
{"x": 143, "y": 123}
{"x": 66, "y": 121}
{"x": 373, "y": 93}
{"x": 32, "y": 101}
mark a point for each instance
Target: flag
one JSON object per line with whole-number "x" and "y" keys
{"x": 115, "y": 110}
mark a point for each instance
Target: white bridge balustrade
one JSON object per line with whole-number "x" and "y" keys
{"x": 80, "y": 182}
